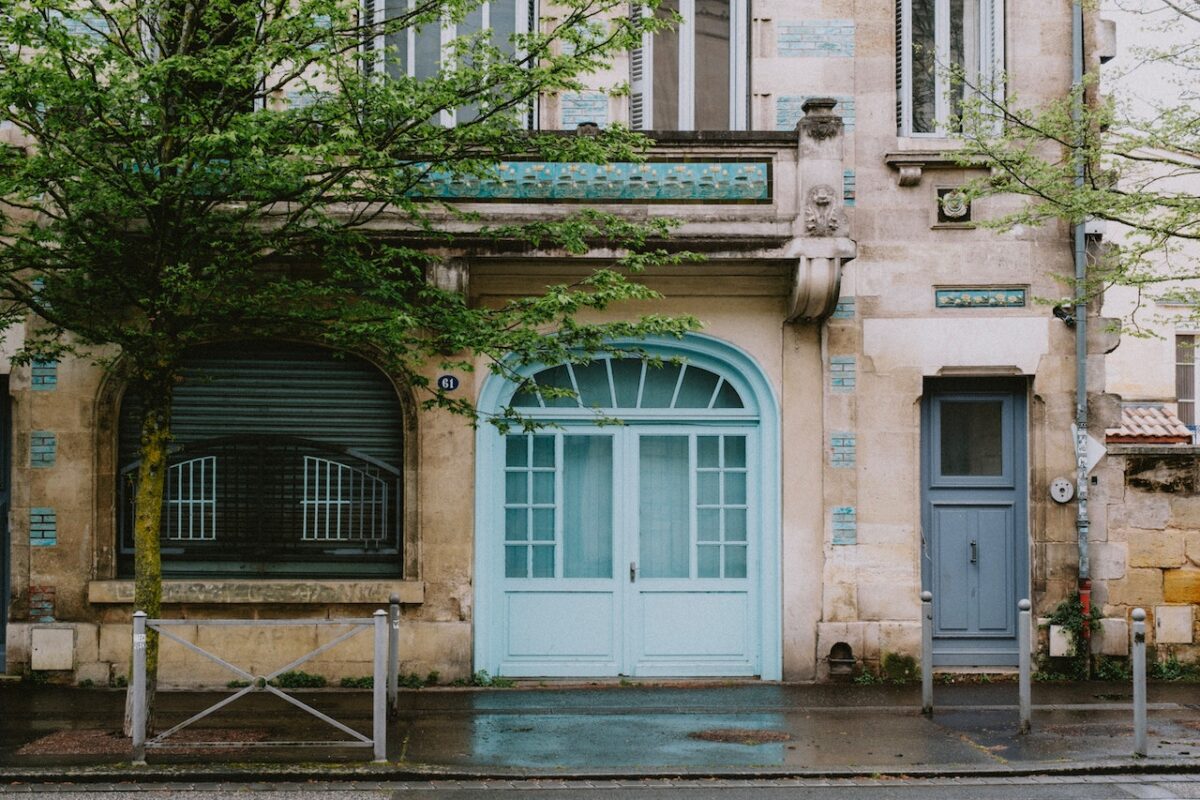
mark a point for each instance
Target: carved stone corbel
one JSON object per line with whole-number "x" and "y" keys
{"x": 817, "y": 276}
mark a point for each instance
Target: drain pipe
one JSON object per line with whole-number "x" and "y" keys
{"x": 1081, "y": 400}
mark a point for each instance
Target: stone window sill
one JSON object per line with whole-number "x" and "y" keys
{"x": 911, "y": 164}
{"x": 288, "y": 592}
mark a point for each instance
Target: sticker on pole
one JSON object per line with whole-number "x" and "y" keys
{"x": 139, "y": 641}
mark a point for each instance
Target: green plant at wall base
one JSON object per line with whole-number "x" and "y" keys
{"x": 1069, "y": 614}
{"x": 483, "y": 679}
{"x": 299, "y": 679}
{"x": 1113, "y": 669}
{"x": 867, "y": 677}
{"x": 360, "y": 682}
{"x": 899, "y": 669}
{"x": 1170, "y": 668}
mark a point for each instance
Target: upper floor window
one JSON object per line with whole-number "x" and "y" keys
{"x": 423, "y": 52}
{"x": 694, "y": 75}
{"x": 947, "y": 51}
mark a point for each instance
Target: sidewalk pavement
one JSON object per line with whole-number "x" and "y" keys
{"x": 603, "y": 730}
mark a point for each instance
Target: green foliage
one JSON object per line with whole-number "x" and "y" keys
{"x": 237, "y": 684}
{"x": 899, "y": 669}
{"x": 161, "y": 193}
{"x": 1113, "y": 669}
{"x": 120, "y": 682}
{"x": 1136, "y": 149}
{"x": 86, "y": 683}
{"x": 1077, "y": 666}
{"x": 483, "y": 679}
{"x": 298, "y": 679}
{"x": 1170, "y": 668}
{"x": 867, "y": 677}
{"x": 360, "y": 682}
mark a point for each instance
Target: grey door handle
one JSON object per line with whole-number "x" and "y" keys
{"x": 974, "y": 552}
{"x": 632, "y": 571}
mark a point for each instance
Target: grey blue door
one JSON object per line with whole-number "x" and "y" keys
{"x": 641, "y": 549}
{"x": 974, "y": 517}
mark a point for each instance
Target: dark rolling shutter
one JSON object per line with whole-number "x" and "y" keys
{"x": 280, "y": 390}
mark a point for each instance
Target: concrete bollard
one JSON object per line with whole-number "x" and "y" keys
{"x": 1139, "y": 682}
{"x": 393, "y": 656}
{"x": 1024, "y": 637}
{"x": 927, "y": 653}
{"x": 379, "y": 688}
{"x": 139, "y": 687}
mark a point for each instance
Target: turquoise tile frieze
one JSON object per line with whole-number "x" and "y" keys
{"x": 979, "y": 298}
{"x": 650, "y": 182}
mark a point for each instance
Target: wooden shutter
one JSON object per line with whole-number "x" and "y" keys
{"x": 638, "y": 94}
{"x": 367, "y": 21}
{"x": 1185, "y": 378}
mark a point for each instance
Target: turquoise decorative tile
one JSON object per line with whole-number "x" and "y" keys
{"x": 816, "y": 38}
{"x": 845, "y": 525}
{"x": 844, "y": 309}
{"x": 44, "y": 375}
{"x": 43, "y": 448}
{"x": 849, "y": 187}
{"x": 843, "y": 447}
{"x": 979, "y": 298}
{"x": 581, "y": 107}
{"x": 43, "y": 527}
{"x": 842, "y": 373}
{"x": 650, "y": 182}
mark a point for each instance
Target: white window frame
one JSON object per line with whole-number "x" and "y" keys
{"x": 526, "y": 16}
{"x": 989, "y": 70}
{"x": 1192, "y": 399}
{"x": 641, "y": 82}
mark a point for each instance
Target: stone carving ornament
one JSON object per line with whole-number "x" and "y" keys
{"x": 822, "y": 216}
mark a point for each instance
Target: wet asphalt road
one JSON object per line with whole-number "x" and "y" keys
{"x": 1151, "y": 787}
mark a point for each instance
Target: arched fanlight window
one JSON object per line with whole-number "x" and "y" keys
{"x": 629, "y": 383}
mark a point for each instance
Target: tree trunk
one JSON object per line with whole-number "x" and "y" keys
{"x": 147, "y": 574}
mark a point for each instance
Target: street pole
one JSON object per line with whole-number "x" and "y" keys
{"x": 927, "y": 653}
{"x": 1024, "y": 634}
{"x": 1139, "y": 682}
{"x": 139, "y": 687}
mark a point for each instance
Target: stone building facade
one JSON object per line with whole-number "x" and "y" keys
{"x": 875, "y": 405}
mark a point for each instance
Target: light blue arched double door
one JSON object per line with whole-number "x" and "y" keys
{"x": 648, "y": 548}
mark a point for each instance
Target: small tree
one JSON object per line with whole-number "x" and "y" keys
{"x": 1137, "y": 139}
{"x": 159, "y": 192}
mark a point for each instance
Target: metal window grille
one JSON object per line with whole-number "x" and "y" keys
{"x": 342, "y": 503}
{"x": 192, "y": 500}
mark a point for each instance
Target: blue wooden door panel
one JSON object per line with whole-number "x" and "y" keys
{"x": 950, "y": 537}
{"x": 993, "y": 572}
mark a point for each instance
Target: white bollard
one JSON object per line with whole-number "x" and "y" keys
{"x": 1139, "y": 682}
{"x": 1024, "y": 636}
{"x": 927, "y": 653}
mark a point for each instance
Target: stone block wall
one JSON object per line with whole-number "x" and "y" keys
{"x": 1145, "y": 544}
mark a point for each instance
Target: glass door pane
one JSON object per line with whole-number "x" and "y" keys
{"x": 664, "y": 519}
{"x": 587, "y": 506}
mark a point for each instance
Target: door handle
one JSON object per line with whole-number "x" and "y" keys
{"x": 632, "y": 571}
{"x": 974, "y": 552}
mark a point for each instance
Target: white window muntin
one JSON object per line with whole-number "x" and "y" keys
{"x": 524, "y": 13}
{"x": 642, "y": 70}
{"x": 985, "y": 70}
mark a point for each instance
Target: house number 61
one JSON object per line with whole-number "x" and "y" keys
{"x": 447, "y": 383}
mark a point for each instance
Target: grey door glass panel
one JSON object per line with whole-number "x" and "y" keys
{"x": 972, "y": 438}
{"x": 663, "y": 513}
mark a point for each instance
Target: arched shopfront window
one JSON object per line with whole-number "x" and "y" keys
{"x": 648, "y": 547}
{"x": 286, "y": 459}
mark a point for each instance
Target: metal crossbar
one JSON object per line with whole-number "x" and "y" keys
{"x": 384, "y": 635}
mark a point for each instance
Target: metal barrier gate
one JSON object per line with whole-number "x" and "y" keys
{"x": 383, "y": 642}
